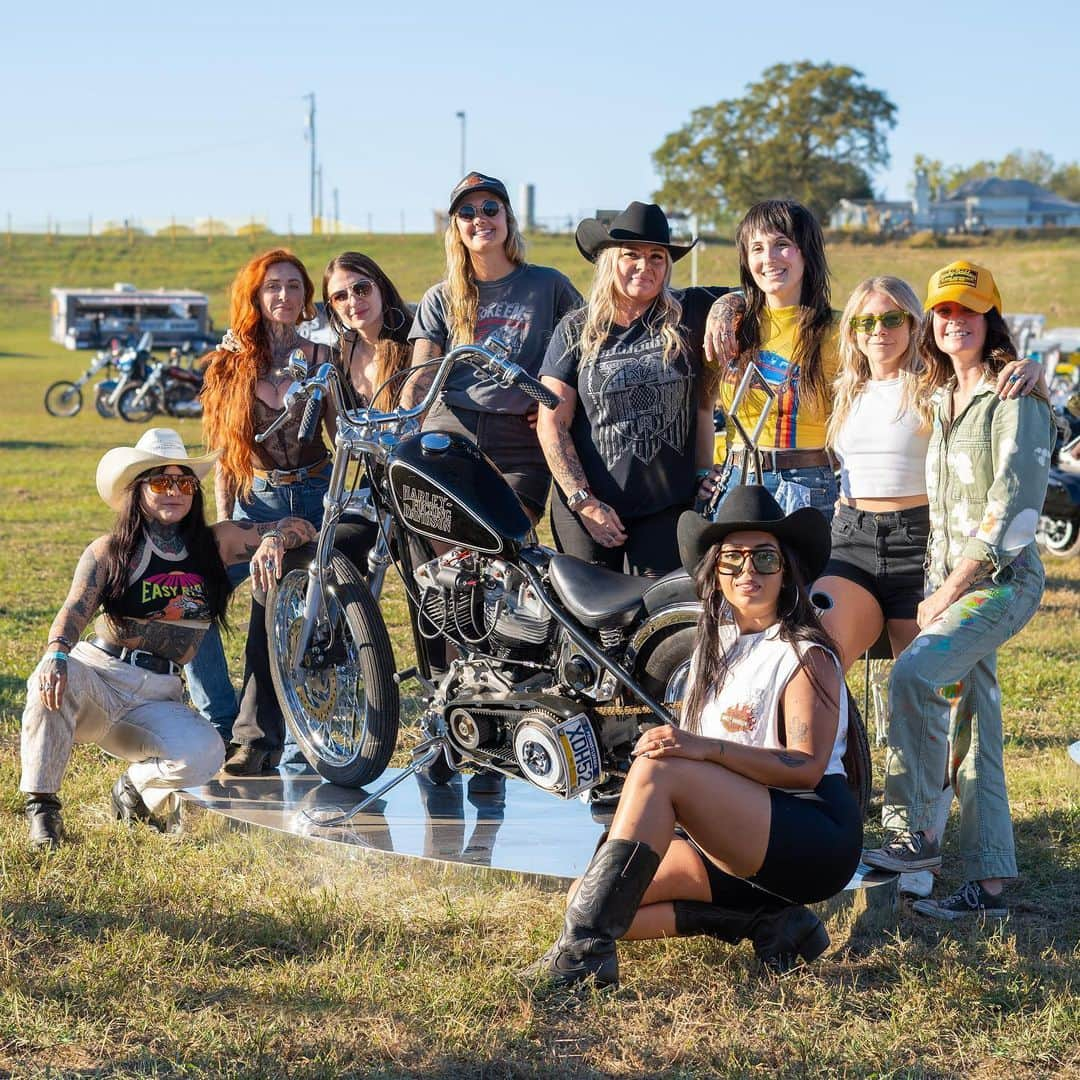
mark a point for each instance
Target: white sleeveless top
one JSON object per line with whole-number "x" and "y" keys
{"x": 747, "y": 708}
{"x": 882, "y": 453}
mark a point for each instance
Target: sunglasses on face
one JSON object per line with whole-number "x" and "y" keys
{"x": 161, "y": 485}
{"x": 489, "y": 208}
{"x": 361, "y": 290}
{"x": 765, "y": 560}
{"x": 891, "y": 320}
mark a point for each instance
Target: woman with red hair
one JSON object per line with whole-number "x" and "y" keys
{"x": 243, "y": 393}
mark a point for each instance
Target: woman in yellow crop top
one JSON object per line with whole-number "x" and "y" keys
{"x": 786, "y": 326}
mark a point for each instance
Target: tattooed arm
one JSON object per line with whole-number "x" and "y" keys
{"x": 419, "y": 382}
{"x": 810, "y": 719}
{"x": 722, "y": 328}
{"x": 708, "y": 384}
{"x": 71, "y": 620}
{"x": 223, "y": 496}
{"x": 553, "y": 430}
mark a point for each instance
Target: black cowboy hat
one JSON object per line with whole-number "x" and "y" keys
{"x": 639, "y": 223}
{"x": 750, "y": 508}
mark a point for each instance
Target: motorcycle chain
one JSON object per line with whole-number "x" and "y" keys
{"x": 631, "y": 710}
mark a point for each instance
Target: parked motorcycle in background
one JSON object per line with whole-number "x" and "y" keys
{"x": 131, "y": 364}
{"x": 168, "y": 388}
{"x": 64, "y": 398}
{"x": 1059, "y": 524}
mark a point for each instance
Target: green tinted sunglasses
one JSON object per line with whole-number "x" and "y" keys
{"x": 891, "y": 320}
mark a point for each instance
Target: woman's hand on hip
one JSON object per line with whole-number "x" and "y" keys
{"x": 668, "y": 741}
{"x": 602, "y": 523}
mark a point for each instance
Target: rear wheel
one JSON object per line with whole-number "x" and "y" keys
{"x": 103, "y": 399}
{"x": 342, "y": 707}
{"x": 137, "y": 411}
{"x": 1059, "y": 536}
{"x": 63, "y": 399}
{"x": 857, "y": 764}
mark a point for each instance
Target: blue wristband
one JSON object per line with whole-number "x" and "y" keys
{"x": 57, "y": 656}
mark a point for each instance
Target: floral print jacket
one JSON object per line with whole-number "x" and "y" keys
{"x": 986, "y": 475}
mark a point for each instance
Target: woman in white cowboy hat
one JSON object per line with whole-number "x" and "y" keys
{"x": 636, "y": 412}
{"x": 731, "y": 822}
{"x": 159, "y": 580}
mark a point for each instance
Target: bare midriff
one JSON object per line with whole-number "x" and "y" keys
{"x": 884, "y": 506}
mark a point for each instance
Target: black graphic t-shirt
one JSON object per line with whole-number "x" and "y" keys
{"x": 168, "y": 587}
{"x": 636, "y": 421}
{"x": 521, "y": 309}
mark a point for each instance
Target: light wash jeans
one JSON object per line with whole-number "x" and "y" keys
{"x": 209, "y": 687}
{"x": 793, "y": 488}
{"x": 131, "y": 713}
{"x": 958, "y": 652}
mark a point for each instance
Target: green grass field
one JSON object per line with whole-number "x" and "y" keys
{"x": 129, "y": 954}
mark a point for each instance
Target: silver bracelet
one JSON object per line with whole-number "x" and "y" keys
{"x": 274, "y": 534}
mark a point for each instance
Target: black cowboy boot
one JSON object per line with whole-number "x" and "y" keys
{"x": 781, "y": 936}
{"x": 127, "y": 803}
{"x": 601, "y": 912}
{"x": 46, "y": 825}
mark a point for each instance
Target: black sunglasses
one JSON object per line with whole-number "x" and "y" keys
{"x": 489, "y": 208}
{"x": 360, "y": 289}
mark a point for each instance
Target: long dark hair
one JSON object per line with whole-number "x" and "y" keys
{"x": 799, "y": 623}
{"x": 127, "y": 535}
{"x": 392, "y": 349}
{"x": 793, "y": 220}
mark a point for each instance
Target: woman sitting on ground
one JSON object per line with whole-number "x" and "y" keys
{"x": 728, "y": 824}
{"x": 160, "y": 580}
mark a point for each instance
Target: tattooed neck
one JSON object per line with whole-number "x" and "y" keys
{"x": 283, "y": 340}
{"x": 165, "y": 537}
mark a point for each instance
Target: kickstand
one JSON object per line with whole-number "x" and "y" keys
{"x": 424, "y": 755}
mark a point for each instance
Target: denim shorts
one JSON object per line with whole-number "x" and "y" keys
{"x": 814, "y": 485}
{"x": 884, "y": 553}
{"x": 510, "y": 442}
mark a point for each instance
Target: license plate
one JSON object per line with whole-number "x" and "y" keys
{"x": 581, "y": 753}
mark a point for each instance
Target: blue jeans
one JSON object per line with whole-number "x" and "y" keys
{"x": 792, "y": 488}
{"x": 947, "y": 678}
{"x": 209, "y": 687}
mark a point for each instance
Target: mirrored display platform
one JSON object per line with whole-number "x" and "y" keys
{"x": 484, "y": 820}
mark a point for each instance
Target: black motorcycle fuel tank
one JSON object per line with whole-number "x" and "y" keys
{"x": 446, "y": 489}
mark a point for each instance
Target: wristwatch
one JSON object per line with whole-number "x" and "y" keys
{"x": 576, "y": 498}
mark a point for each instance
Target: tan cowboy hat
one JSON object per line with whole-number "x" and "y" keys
{"x": 157, "y": 448}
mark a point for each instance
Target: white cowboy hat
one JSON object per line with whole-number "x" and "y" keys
{"x": 157, "y": 448}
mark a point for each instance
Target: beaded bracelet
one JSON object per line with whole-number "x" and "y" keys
{"x": 62, "y": 640}
{"x": 56, "y": 656}
{"x": 274, "y": 534}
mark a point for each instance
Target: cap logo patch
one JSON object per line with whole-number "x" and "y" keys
{"x": 958, "y": 275}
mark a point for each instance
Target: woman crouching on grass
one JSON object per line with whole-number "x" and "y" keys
{"x": 728, "y": 825}
{"x": 160, "y": 580}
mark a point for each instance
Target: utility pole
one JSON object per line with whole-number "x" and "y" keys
{"x": 319, "y": 217}
{"x": 461, "y": 117}
{"x": 310, "y": 136}
{"x": 337, "y": 213}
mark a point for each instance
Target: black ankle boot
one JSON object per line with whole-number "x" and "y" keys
{"x": 695, "y": 917}
{"x": 601, "y": 912}
{"x": 46, "y": 825}
{"x": 782, "y": 937}
{"x": 127, "y": 803}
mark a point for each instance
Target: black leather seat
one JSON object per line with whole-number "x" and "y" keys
{"x": 597, "y": 597}
{"x": 674, "y": 588}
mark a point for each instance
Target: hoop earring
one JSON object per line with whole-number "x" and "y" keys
{"x": 401, "y": 317}
{"x": 794, "y": 604}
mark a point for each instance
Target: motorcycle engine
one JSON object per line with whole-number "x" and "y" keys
{"x": 484, "y": 602}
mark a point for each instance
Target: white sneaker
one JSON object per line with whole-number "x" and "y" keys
{"x": 919, "y": 884}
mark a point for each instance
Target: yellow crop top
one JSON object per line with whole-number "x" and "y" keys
{"x": 795, "y": 422}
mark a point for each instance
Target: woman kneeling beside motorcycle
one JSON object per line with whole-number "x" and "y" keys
{"x": 729, "y": 824}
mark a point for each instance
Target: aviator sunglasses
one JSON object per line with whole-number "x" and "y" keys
{"x": 360, "y": 289}
{"x": 891, "y": 320}
{"x": 160, "y": 485}
{"x": 489, "y": 208}
{"x": 765, "y": 560}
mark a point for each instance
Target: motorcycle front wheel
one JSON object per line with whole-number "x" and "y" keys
{"x": 343, "y": 707}
{"x": 63, "y": 399}
{"x": 103, "y": 393}
{"x": 1059, "y": 536}
{"x": 137, "y": 412}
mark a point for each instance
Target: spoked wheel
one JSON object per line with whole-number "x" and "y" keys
{"x": 136, "y": 411}
{"x": 1059, "y": 536}
{"x": 103, "y": 399}
{"x": 343, "y": 706}
{"x": 63, "y": 399}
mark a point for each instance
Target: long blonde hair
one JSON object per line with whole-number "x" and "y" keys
{"x": 599, "y": 316}
{"x": 854, "y": 368}
{"x": 461, "y": 294}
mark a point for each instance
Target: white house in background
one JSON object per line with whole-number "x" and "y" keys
{"x": 975, "y": 206}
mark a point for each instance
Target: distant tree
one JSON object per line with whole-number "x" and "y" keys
{"x": 1066, "y": 181}
{"x": 812, "y": 132}
{"x": 1034, "y": 165}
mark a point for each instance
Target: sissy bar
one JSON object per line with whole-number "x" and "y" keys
{"x": 752, "y": 379}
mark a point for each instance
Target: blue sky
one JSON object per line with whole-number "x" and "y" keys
{"x": 197, "y": 108}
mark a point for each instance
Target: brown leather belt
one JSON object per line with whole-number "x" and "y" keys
{"x": 774, "y": 460}
{"x": 282, "y": 477}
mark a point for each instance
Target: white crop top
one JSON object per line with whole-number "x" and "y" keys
{"x": 747, "y": 708}
{"x": 882, "y": 454}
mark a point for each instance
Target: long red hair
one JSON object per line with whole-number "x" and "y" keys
{"x": 229, "y": 387}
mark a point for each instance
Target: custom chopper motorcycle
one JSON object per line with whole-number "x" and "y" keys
{"x": 532, "y": 664}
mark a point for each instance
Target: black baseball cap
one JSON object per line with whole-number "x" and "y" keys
{"x": 476, "y": 181}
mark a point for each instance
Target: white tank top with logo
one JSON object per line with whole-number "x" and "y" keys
{"x": 747, "y": 708}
